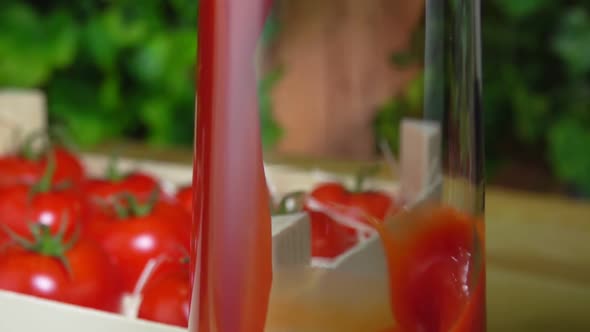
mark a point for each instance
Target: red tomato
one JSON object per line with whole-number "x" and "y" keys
{"x": 69, "y": 167}
{"x": 22, "y": 205}
{"x": 138, "y": 184}
{"x": 330, "y": 238}
{"x": 374, "y": 203}
{"x": 185, "y": 197}
{"x": 166, "y": 297}
{"x": 431, "y": 263}
{"x": 88, "y": 280}
{"x": 18, "y": 169}
{"x": 133, "y": 240}
{"x": 101, "y": 191}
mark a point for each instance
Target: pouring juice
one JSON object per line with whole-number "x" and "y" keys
{"x": 432, "y": 250}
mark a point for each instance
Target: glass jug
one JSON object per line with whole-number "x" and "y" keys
{"x": 410, "y": 259}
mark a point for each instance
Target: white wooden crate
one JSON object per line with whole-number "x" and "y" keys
{"x": 20, "y": 313}
{"x": 291, "y": 238}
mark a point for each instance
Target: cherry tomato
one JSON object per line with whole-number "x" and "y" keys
{"x": 18, "y": 169}
{"x": 19, "y": 209}
{"x": 43, "y": 204}
{"x": 80, "y": 275}
{"x": 139, "y": 184}
{"x": 69, "y": 167}
{"x": 185, "y": 197}
{"x": 330, "y": 238}
{"x": 373, "y": 203}
{"x": 101, "y": 192}
{"x": 166, "y": 296}
{"x": 132, "y": 240}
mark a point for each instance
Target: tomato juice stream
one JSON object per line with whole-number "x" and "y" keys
{"x": 232, "y": 224}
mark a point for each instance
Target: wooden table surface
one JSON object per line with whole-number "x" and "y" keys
{"x": 538, "y": 249}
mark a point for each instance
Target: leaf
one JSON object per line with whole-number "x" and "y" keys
{"x": 64, "y": 33}
{"x": 271, "y": 28}
{"x": 75, "y": 103}
{"x": 522, "y": 8}
{"x": 568, "y": 150}
{"x": 156, "y": 115}
{"x": 403, "y": 59}
{"x": 271, "y": 131}
{"x": 415, "y": 94}
{"x": 110, "y": 93}
{"x": 100, "y": 46}
{"x": 149, "y": 62}
{"x": 25, "y": 59}
{"x": 572, "y": 42}
{"x": 88, "y": 128}
{"x": 531, "y": 114}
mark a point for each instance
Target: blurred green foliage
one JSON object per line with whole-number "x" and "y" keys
{"x": 270, "y": 130}
{"x": 114, "y": 69}
{"x": 536, "y": 87}
{"x": 110, "y": 68}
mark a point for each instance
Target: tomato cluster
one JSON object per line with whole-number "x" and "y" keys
{"x": 88, "y": 241}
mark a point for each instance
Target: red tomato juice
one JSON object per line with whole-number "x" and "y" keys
{"x": 436, "y": 271}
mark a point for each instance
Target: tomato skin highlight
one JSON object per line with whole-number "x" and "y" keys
{"x": 166, "y": 297}
{"x": 91, "y": 282}
{"x": 132, "y": 242}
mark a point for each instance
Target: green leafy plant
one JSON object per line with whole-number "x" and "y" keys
{"x": 538, "y": 93}
{"x": 114, "y": 69}
{"x": 271, "y": 131}
{"x": 110, "y": 69}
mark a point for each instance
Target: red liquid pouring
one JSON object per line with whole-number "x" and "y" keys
{"x": 232, "y": 221}
{"x": 436, "y": 271}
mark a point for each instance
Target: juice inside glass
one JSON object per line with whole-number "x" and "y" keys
{"x": 415, "y": 263}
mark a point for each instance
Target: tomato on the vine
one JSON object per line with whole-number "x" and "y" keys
{"x": 138, "y": 184}
{"x": 27, "y": 168}
{"x": 26, "y": 164}
{"x": 331, "y": 238}
{"x": 166, "y": 296}
{"x": 69, "y": 167}
{"x": 372, "y": 203}
{"x": 74, "y": 272}
{"x": 138, "y": 232}
{"x": 15, "y": 169}
{"x": 22, "y": 206}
